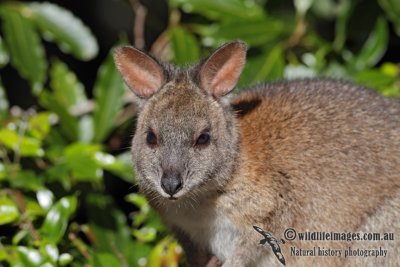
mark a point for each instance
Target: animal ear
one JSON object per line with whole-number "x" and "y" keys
{"x": 221, "y": 71}
{"x": 142, "y": 74}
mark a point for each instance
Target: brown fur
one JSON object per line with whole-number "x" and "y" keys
{"x": 322, "y": 155}
{"x": 315, "y": 155}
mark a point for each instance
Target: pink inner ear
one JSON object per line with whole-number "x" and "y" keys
{"x": 141, "y": 73}
{"x": 221, "y": 71}
{"x": 142, "y": 82}
{"x": 226, "y": 77}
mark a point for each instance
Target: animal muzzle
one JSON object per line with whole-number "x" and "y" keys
{"x": 171, "y": 183}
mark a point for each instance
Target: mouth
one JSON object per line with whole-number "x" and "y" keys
{"x": 169, "y": 197}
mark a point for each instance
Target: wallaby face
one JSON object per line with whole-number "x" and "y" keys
{"x": 184, "y": 150}
{"x": 185, "y": 134}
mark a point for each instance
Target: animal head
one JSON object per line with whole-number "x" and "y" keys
{"x": 186, "y": 140}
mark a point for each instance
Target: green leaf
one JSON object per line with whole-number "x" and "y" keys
{"x": 70, "y": 94}
{"x": 392, "y": 11}
{"x": 33, "y": 209}
{"x": 144, "y": 208}
{"x": 391, "y": 91}
{"x": 69, "y": 125}
{"x": 23, "y": 43}
{"x": 146, "y": 214}
{"x": 374, "y": 48}
{"x": 389, "y": 69}
{"x": 4, "y": 57}
{"x": 29, "y": 257}
{"x": 3, "y": 103}
{"x": 106, "y": 161}
{"x": 145, "y": 234}
{"x": 55, "y": 143}
{"x": 254, "y": 33}
{"x": 19, "y": 236}
{"x": 335, "y": 69}
{"x": 302, "y": 6}
{"x": 3, "y": 254}
{"x": 324, "y": 8}
{"x": 138, "y": 200}
{"x": 3, "y": 172}
{"x": 67, "y": 89}
{"x": 120, "y": 165}
{"x": 39, "y": 125}
{"x": 56, "y": 221}
{"x": 59, "y": 173}
{"x": 80, "y": 160}
{"x": 167, "y": 252}
{"x": 155, "y": 258}
{"x": 374, "y": 78}
{"x": 344, "y": 9}
{"x": 109, "y": 92}
{"x": 105, "y": 259}
{"x": 52, "y": 252}
{"x": 222, "y": 10}
{"x": 25, "y": 146}
{"x": 26, "y": 179}
{"x": 45, "y": 198}
{"x": 111, "y": 230}
{"x": 8, "y": 211}
{"x": 65, "y": 29}
{"x": 65, "y": 259}
{"x": 266, "y": 67}
{"x": 86, "y": 133}
{"x": 184, "y": 46}
{"x": 155, "y": 221}
{"x": 173, "y": 254}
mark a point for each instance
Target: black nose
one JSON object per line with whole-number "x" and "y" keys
{"x": 171, "y": 184}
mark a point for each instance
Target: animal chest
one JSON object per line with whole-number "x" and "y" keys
{"x": 213, "y": 231}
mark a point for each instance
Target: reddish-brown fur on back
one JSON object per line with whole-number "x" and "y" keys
{"x": 318, "y": 155}
{"x": 320, "y": 136}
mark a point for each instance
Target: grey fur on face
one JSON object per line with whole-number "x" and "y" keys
{"x": 177, "y": 126}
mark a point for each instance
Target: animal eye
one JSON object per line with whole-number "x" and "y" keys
{"x": 151, "y": 138}
{"x": 203, "y": 139}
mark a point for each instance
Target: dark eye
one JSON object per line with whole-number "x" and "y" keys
{"x": 151, "y": 138}
{"x": 203, "y": 139}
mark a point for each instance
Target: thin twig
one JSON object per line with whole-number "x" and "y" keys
{"x": 26, "y": 223}
{"x": 4, "y": 155}
{"x": 41, "y": 164}
{"x": 161, "y": 47}
{"x": 127, "y": 113}
{"x": 76, "y": 242}
{"x": 119, "y": 255}
{"x": 298, "y": 33}
{"x": 139, "y": 23}
{"x": 22, "y": 127}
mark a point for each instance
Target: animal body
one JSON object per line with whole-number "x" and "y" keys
{"x": 314, "y": 155}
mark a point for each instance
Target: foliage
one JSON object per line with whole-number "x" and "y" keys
{"x": 55, "y": 209}
{"x": 289, "y": 44}
{"x": 54, "y": 159}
